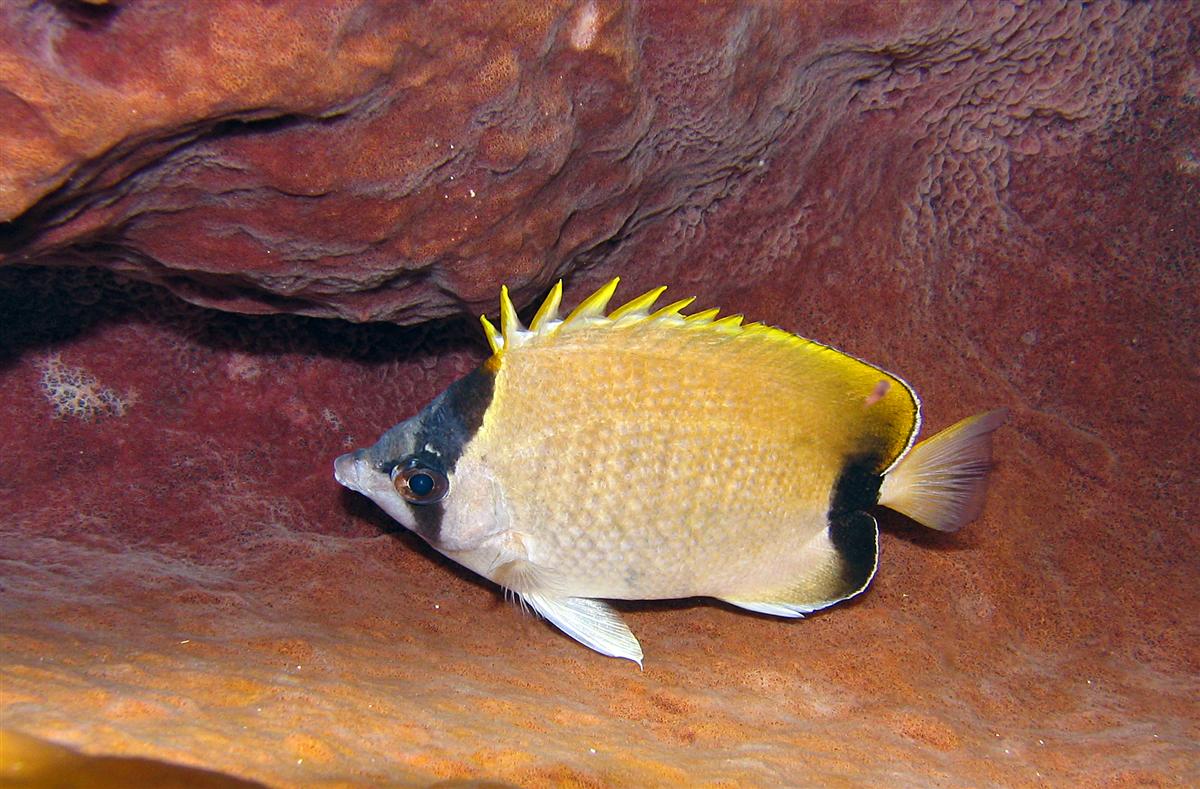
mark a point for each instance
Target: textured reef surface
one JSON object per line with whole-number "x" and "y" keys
{"x": 998, "y": 203}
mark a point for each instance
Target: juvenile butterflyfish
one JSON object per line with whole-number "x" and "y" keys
{"x": 645, "y": 454}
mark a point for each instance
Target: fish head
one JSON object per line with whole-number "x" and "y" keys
{"x": 427, "y": 474}
{"x": 372, "y": 471}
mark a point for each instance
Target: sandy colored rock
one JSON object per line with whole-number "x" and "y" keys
{"x": 183, "y": 581}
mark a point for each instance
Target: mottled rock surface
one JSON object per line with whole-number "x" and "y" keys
{"x": 998, "y": 204}
{"x": 399, "y": 161}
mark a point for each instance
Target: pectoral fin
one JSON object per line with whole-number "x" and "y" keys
{"x": 590, "y": 622}
{"x": 839, "y": 564}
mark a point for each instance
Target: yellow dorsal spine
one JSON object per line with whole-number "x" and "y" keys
{"x": 494, "y": 338}
{"x": 590, "y": 312}
{"x": 707, "y": 316}
{"x": 593, "y": 306}
{"x": 639, "y": 307}
{"x": 548, "y": 312}
{"x": 510, "y": 324}
{"x": 671, "y": 309}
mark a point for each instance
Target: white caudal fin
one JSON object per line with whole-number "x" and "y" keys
{"x": 941, "y": 482}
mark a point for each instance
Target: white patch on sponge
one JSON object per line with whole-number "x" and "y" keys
{"x": 74, "y": 392}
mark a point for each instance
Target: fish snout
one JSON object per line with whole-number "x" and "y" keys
{"x": 347, "y": 467}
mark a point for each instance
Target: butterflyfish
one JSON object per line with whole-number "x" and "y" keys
{"x": 645, "y": 454}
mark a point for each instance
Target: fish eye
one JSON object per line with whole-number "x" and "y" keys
{"x": 420, "y": 485}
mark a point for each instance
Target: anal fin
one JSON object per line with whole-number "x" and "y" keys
{"x": 592, "y": 623}
{"x": 839, "y": 564}
{"x": 773, "y": 609}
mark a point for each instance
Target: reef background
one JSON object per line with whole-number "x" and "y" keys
{"x": 999, "y": 203}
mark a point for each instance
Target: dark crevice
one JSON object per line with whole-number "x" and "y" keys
{"x": 44, "y": 307}
{"x": 76, "y": 195}
{"x": 88, "y": 16}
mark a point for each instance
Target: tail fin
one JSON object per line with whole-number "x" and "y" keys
{"x": 941, "y": 482}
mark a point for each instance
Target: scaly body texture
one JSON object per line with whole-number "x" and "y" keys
{"x": 650, "y": 455}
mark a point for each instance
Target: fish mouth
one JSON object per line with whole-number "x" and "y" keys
{"x": 347, "y": 468}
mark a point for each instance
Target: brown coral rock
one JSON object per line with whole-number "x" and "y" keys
{"x": 367, "y": 160}
{"x": 399, "y": 161}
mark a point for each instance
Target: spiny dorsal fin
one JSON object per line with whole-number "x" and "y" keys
{"x": 593, "y": 306}
{"x": 590, "y": 312}
{"x": 637, "y": 308}
{"x": 512, "y": 332}
{"x": 548, "y": 312}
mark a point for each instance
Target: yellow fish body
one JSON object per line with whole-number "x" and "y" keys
{"x": 645, "y": 454}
